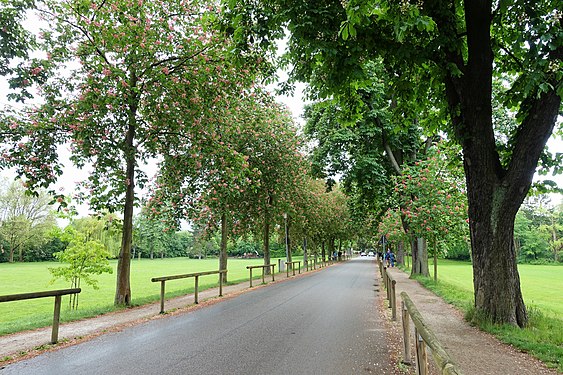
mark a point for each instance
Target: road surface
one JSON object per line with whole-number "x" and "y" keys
{"x": 322, "y": 323}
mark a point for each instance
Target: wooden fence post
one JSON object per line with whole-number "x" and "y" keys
{"x": 162, "y": 296}
{"x": 421, "y": 360}
{"x": 56, "y": 319}
{"x": 406, "y": 334}
{"x": 273, "y": 270}
{"x": 196, "y": 289}
{"x": 221, "y": 284}
{"x": 394, "y": 301}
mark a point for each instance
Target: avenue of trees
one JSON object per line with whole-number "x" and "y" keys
{"x": 404, "y": 94}
{"x": 120, "y": 84}
{"x": 448, "y": 66}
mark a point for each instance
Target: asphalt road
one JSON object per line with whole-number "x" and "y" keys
{"x": 322, "y": 323}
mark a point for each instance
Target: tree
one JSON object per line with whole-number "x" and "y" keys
{"x": 135, "y": 75}
{"x": 16, "y": 42}
{"x": 151, "y": 235}
{"x": 246, "y": 179}
{"x": 431, "y": 198}
{"x": 104, "y": 228}
{"x": 24, "y": 218}
{"x": 85, "y": 258}
{"x": 554, "y": 231}
{"x": 359, "y": 142}
{"x": 273, "y": 150}
{"x": 462, "y": 45}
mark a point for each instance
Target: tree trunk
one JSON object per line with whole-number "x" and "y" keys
{"x": 331, "y": 248}
{"x": 288, "y": 240}
{"x": 11, "y": 255}
{"x": 495, "y": 191}
{"x": 266, "y": 248}
{"x": 435, "y": 262}
{"x": 420, "y": 257}
{"x": 400, "y": 252}
{"x": 323, "y": 252}
{"x": 123, "y": 288}
{"x": 496, "y": 280}
{"x": 223, "y": 251}
{"x": 305, "y": 250}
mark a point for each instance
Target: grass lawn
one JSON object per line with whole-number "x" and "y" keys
{"x": 542, "y": 285}
{"x": 34, "y": 277}
{"x": 542, "y": 288}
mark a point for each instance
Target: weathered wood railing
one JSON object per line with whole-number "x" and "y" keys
{"x": 292, "y": 264}
{"x": 423, "y": 337}
{"x": 390, "y": 286}
{"x": 195, "y": 275}
{"x": 50, "y": 293}
{"x": 263, "y": 266}
{"x": 310, "y": 264}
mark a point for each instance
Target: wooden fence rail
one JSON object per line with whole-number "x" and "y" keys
{"x": 390, "y": 286}
{"x": 424, "y": 337}
{"x": 195, "y": 275}
{"x": 264, "y": 266}
{"x": 310, "y": 264}
{"x": 50, "y": 293}
{"x": 287, "y": 264}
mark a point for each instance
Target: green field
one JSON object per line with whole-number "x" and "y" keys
{"x": 34, "y": 277}
{"x": 542, "y": 286}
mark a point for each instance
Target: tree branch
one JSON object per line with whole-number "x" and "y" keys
{"x": 387, "y": 148}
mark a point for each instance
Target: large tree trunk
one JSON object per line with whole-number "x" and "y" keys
{"x": 223, "y": 251}
{"x": 123, "y": 288}
{"x": 495, "y": 191}
{"x": 495, "y": 275}
{"x": 419, "y": 257}
{"x": 400, "y": 253}
{"x": 305, "y": 258}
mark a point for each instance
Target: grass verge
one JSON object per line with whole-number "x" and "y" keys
{"x": 542, "y": 338}
{"x": 34, "y": 277}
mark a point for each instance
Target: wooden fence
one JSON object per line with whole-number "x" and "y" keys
{"x": 250, "y": 268}
{"x": 292, "y": 264}
{"x": 423, "y": 337}
{"x": 195, "y": 275}
{"x": 51, "y": 293}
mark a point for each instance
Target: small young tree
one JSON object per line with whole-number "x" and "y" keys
{"x": 84, "y": 259}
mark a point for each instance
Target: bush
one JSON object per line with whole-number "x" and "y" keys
{"x": 45, "y": 252}
{"x": 459, "y": 250}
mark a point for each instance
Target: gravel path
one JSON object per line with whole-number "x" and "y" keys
{"x": 474, "y": 351}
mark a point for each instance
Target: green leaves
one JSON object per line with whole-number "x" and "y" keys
{"x": 85, "y": 259}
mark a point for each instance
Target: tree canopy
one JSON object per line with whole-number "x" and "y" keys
{"x": 442, "y": 58}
